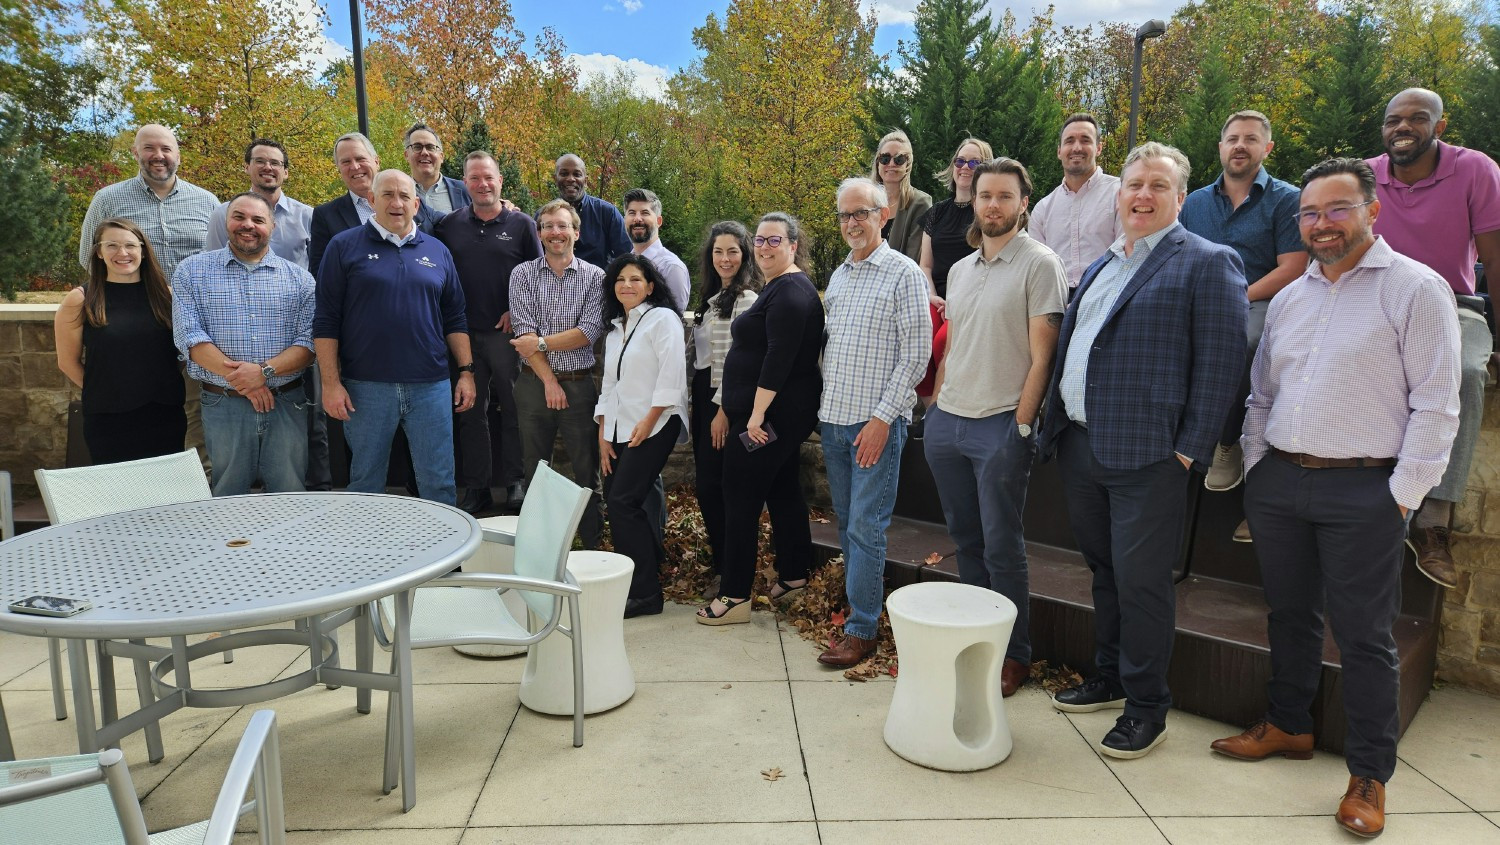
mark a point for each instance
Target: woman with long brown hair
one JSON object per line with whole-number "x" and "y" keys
{"x": 114, "y": 340}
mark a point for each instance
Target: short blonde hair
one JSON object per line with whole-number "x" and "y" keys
{"x": 560, "y": 205}
{"x": 1154, "y": 149}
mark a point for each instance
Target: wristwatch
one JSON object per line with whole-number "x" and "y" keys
{"x": 541, "y": 343}
{"x": 466, "y": 368}
{"x": 268, "y": 371}
{"x": 1023, "y": 429}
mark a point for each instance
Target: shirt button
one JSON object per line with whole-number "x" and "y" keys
{"x": 1304, "y": 378}
{"x": 1315, "y": 349}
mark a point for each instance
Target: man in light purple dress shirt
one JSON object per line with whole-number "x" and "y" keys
{"x": 1352, "y": 413}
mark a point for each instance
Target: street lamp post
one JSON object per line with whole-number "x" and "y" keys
{"x": 359, "y": 71}
{"x": 1149, "y": 29}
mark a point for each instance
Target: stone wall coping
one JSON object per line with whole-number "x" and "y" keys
{"x": 20, "y": 312}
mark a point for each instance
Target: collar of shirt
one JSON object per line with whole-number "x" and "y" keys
{"x": 1258, "y": 187}
{"x": 1007, "y": 253}
{"x": 498, "y": 218}
{"x": 438, "y": 187}
{"x": 146, "y": 186}
{"x": 231, "y": 258}
{"x": 361, "y": 205}
{"x": 544, "y": 267}
{"x": 1446, "y": 166}
{"x": 1094, "y": 179}
{"x": 1378, "y": 257}
{"x": 387, "y": 235}
{"x": 637, "y": 312}
{"x": 881, "y": 254}
{"x": 1149, "y": 243}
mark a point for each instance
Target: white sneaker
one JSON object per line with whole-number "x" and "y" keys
{"x": 1228, "y": 469}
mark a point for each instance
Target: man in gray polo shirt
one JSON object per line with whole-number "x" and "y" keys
{"x": 1005, "y": 304}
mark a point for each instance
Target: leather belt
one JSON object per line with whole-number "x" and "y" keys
{"x": 229, "y": 391}
{"x": 1314, "y": 462}
{"x": 568, "y": 375}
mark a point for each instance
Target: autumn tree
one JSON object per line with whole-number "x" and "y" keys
{"x": 789, "y": 75}
{"x": 465, "y": 59}
{"x": 387, "y": 104}
{"x": 220, "y": 73}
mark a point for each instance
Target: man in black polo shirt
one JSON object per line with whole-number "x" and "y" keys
{"x": 487, "y": 240}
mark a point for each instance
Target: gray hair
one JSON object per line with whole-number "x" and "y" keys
{"x": 354, "y": 136}
{"x": 874, "y": 191}
{"x": 1155, "y": 149}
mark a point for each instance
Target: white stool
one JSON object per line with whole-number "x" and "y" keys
{"x": 500, "y": 558}
{"x": 947, "y": 712}
{"x": 547, "y": 682}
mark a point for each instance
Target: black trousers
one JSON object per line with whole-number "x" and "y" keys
{"x": 766, "y": 479}
{"x": 1330, "y": 539}
{"x": 708, "y": 464}
{"x": 1128, "y": 524}
{"x": 627, "y": 489}
{"x": 540, "y": 427}
{"x": 149, "y": 431}
{"x": 495, "y": 367}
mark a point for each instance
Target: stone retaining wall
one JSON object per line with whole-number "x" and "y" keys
{"x": 34, "y": 395}
{"x": 1470, "y": 649}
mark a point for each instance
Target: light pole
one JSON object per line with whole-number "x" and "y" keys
{"x": 1149, "y": 29}
{"x": 359, "y": 72}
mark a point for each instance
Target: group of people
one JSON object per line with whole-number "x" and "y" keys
{"x": 1322, "y": 344}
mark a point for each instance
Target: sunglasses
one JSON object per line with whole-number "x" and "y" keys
{"x": 970, "y": 163}
{"x": 898, "y": 159}
{"x": 773, "y": 241}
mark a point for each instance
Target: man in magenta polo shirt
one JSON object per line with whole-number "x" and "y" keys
{"x": 1440, "y": 205}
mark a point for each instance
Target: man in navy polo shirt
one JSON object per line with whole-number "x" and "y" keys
{"x": 390, "y": 313}
{"x": 1253, "y": 213}
{"x": 601, "y": 232}
{"x": 487, "y": 241}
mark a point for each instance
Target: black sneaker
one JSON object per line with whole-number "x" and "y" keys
{"x": 1131, "y": 738}
{"x": 1093, "y": 694}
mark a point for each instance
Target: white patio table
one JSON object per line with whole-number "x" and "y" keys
{"x": 230, "y": 564}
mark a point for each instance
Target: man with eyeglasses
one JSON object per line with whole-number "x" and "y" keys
{"x": 557, "y": 314}
{"x": 1353, "y": 408}
{"x": 601, "y": 232}
{"x": 879, "y": 337}
{"x": 267, "y": 166}
{"x": 1078, "y": 220}
{"x": 1250, "y": 211}
{"x": 424, "y": 157}
{"x": 1442, "y": 208}
{"x": 172, "y": 212}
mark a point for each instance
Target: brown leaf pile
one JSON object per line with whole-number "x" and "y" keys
{"x": 817, "y": 613}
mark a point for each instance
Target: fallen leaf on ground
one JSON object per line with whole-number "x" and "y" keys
{"x": 726, "y": 686}
{"x": 771, "y": 774}
{"x": 933, "y": 559}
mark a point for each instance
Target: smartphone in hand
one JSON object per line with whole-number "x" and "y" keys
{"x": 751, "y": 445}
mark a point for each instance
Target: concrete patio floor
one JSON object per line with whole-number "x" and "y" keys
{"x": 682, "y": 761}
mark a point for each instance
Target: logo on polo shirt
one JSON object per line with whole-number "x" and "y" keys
{"x": 374, "y": 256}
{"x": 503, "y": 236}
{"x": 426, "y": 262}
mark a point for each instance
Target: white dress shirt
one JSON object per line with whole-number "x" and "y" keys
{"x": 643, "y": 370}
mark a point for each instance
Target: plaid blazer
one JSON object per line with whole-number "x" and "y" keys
{"x": 1168, "y": 362}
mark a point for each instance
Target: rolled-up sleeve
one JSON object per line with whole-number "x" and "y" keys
{"x": 187, "y": 322}
{"x": 591, "y": 321}
{"x": 523, "y": 299}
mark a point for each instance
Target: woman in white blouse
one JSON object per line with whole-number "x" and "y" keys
{"x": 730, "y": 283}
{"x": 642, "y": 413}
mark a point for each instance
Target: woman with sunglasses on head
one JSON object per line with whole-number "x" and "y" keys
{"x": 770, "y": 395}
{"x": 945, "y": 229}
{"x": 892, "y": 168}
{"x": 642, "y": 413}
{"x": 114, "y": 339}
{"x": 731, "y": 282}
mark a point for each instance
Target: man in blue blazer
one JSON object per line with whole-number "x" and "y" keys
{"x": 357, "y": 163}
{"x": 1148, "y": 364}
{"x": 424, "y": 158}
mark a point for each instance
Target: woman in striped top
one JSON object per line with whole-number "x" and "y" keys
{"x": 730, "y": 283}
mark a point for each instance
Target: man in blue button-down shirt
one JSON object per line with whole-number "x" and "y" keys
{"x": 243, "y": 318}
{"x": 601, "y": 229}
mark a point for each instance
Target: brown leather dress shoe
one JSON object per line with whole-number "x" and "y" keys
{"x": 848, "y": 652}
{"x": 1363, "y": 809}
{"x": 1013, "y": 673}
{"x": 1263, "y": 739}
{"x": 1433, "y": 558}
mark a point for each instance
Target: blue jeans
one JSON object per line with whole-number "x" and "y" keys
{"x": 245, "y": 445}
{"x": 982, "y": 467}
{"x": 424, "y": 410}
{"x": 863, "y": 499}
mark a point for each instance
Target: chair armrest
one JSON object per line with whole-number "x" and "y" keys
{"x": 498, "y": 581}
{"x": 257, "y": 760}
{"x": 58, "y": 784}
{"x": 496, "y": 535}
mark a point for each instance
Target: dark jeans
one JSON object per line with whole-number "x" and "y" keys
{"x": 1128, "y": 524}
{"x": 627, "y": 489}
{"x": 495, "y": 364}
{"x": 540, "y": 427}
{"x": 319, "y": 471}
{"x": 709, "y": 466}
{"x": 768, "y": 479}
{"x": 982, "y": 467}
{"x": 1255, "y": 326}
{"x": 1331, "y": 538}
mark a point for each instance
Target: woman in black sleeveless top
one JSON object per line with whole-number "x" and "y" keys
{"x": 114, "y": 340}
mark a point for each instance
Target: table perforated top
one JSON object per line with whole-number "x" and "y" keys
{"x": 232, "y": 562}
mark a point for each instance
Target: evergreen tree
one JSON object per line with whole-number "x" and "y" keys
{"x": 1479, "y": 114}
{"x": 37, "y": 235}
{"x": 477, "y": 137}
{"x": 1346, "y": 90}
{"x": 1216, "y": 98}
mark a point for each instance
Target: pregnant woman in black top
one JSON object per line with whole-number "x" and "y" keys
{"x": 114, "y": 340}
{"x": 770, "y": 393}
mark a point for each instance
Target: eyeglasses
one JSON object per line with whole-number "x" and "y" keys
{"x": 119, "y": 246}
{"x": 970, "y": 163}
{"x": 861, "y": 215}
{"x": 425, "y": 148}
{"x": 262, "y": 162}
{"x": 773, "y": 241}
{"x": 556, "y": 227}
{"x": 1337, "y": 214}
{"x": 898, "y": 159}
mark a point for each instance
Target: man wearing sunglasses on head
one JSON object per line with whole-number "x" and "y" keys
{"x": 1078, "y": 220}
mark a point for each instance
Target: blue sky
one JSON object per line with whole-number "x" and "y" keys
{"x": 654, "y": 37}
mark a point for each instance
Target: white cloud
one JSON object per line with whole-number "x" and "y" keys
{"x": 650, "y": 80}
{"x": 327, "y": 51}
{"x": 1078, "y": 13}
{"x": 894, "y": 12}
{"x": 631, "y": 6}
